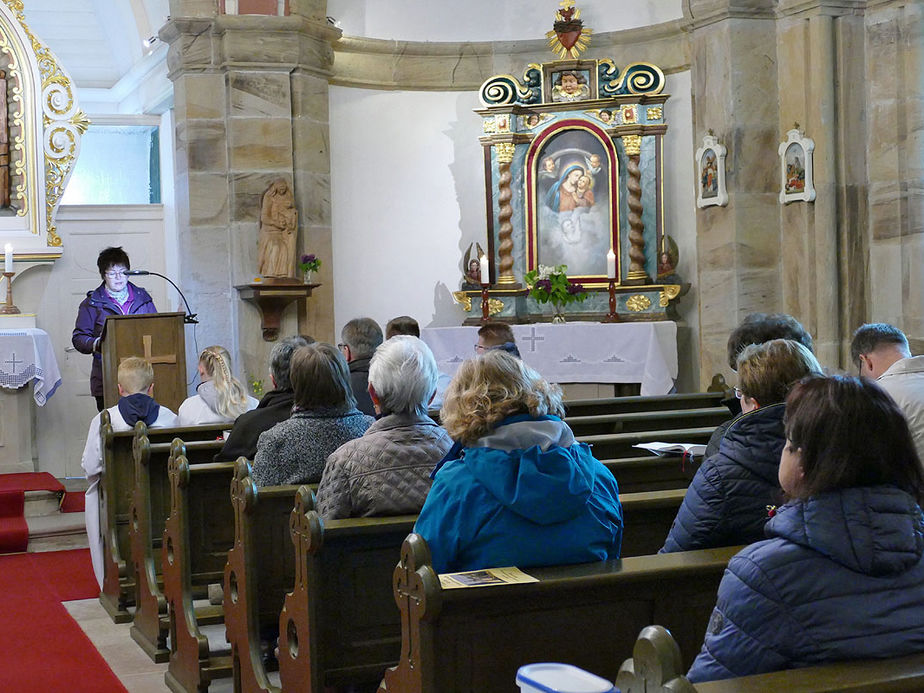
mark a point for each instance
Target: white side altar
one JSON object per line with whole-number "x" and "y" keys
{"x": 26, "y": 356}
{"x": 577, "y": 352}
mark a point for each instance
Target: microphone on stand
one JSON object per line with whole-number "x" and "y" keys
{"x": 190, "y": 318}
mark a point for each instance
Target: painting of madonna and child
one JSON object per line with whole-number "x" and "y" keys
{"x": 573, "y": 205}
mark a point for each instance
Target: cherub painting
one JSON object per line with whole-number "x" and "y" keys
{"x": 570, "y": 85}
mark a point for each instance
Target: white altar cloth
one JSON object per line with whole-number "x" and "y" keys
{"x": 577, "y": 352}
{"x": 27, "y": 355}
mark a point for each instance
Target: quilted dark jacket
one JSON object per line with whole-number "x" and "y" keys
{"x": 727, "y": 501}
{"x": 386, "y": 472}
{"x": 841, "y": 577}
{"x": 275, "y": 407}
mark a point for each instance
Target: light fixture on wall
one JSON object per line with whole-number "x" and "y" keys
{"x": 149, "y": 41}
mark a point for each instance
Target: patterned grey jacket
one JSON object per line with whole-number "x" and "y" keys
{"x": 293, "y": 451}
{"x": 386, "y": 472}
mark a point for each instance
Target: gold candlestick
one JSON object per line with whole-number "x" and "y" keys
{"x": 9, "y": 308}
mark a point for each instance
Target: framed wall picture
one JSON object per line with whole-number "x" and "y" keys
{"x": 796, "y": 179}
{"x": 710, "y": 165}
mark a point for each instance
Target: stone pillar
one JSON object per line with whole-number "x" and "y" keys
{"x": 895, "y": 147}
{"x": 250, "y": 95}
{"x": 734, "y": 75}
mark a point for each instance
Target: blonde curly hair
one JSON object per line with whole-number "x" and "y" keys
{"x": 488, "y": 389}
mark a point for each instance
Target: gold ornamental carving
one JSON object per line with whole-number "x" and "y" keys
{"x": 668, "y": 294}
{"x": 63, "y": 125}
{"x": 490, "y": 126}
{"x": 505, "y": 152}
{"x": 633, "y": 144}
{"x": 463, "y": 299}
{"x": 655, "y": 113}
{"x": 495, "y": 306}
{"x": 638, "y": 303}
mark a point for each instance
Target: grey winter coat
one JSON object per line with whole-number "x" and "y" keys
{"x": 294, "y": 451}
{"x": 386, "y": 472}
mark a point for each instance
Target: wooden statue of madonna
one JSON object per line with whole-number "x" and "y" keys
{"x": 278, "y": 230}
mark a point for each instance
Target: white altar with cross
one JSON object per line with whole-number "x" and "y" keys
{"x": 27, "y": 357}
{"x": 578, "y": 352}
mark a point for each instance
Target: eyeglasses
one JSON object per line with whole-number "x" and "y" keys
{"x": 341, "y": 346}
{"x": 738, "y": 393}
{"x": 116, "y": 275}
{"x": 479, "y": 348}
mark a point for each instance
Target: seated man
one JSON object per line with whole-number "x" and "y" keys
{"x": 387, "y": 470}
{"x": 359, "y": 339}
{"x": 496, "y": 335}
{"x": 881, "y": 352}
{"x": 136, "y": 403}
{"x": 275, "y": 406}
{"x": 403, "y": 324}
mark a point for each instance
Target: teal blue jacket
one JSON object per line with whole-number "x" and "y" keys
{"x": 526, "y": 494}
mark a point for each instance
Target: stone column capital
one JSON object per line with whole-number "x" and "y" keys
{"x": 193, "y": 8}
{"x": 831, "y": 8}
{"x": 705, "y": 12}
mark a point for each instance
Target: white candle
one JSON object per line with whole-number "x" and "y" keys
{"x": 611, "y": 264}
{"x": 485, "y": 276}
{"x": 8, "y": 258}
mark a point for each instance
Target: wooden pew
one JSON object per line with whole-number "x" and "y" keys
{"x": 198, "y": 534}
{"x": 602, "y": 424}
{"x": 339, "y": 624}
{"x": 475, "y": 639}
{"x": 651, "y": 472}
{"x": 655, "y": 667}
{"x": 620, "y": 445}
{"x": 337, "y": 631}
{"x": 149, "y": 509}
{"x": 638, "y": 403}
{"x": 259, "y": 572}
{"x": 115, "y": 495}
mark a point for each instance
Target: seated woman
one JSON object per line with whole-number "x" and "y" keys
{"x": 842, "y": 574}
{"x": 727, "y": 501}
{"x": 324, "y": 417}
{"x": 220, "y": 396}
{"x": 387, "y": 471}
{"x": 520, "y": 490}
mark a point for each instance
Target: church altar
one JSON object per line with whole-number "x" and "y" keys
{"x": 579, "y": 352}
{"x": 26, "y": 356}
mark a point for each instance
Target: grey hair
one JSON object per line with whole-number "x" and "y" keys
{"x": 362, "y": 335}
{"x": 404, "y": 374}
{"x": 281, "y": 359}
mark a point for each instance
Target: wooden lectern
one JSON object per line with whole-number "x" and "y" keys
{"x": 158, "y": 337}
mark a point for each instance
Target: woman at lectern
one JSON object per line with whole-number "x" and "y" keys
{"x": 115, "y": 296}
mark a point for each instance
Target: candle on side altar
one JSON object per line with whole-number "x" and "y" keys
{"x": 611, "y": 264}
{"x": 485, "y": 276}
{"x": 8, "y": 257}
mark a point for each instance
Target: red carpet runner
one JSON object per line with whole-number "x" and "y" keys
{"x": 43, "y": 647}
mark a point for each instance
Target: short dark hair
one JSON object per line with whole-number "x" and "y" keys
{"x": 362, "y": 335}
{"x": 758, "y": 328}
{"x": 850, "y": 432}
{"x": 112, "y": 256}
{"x": 873, "y": 334}
{"x": 320, "y": 377}
{"x": 403, "y": 324}
{"x": 281, "y": 360}
{"x": 496, "y": 333}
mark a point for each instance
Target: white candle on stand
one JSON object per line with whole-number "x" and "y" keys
{"x": 611, "y": 264}
{"x": 8, "y": 257}
{"x": 485, "y": 276}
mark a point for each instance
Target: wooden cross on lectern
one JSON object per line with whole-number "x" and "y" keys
{"x": 149, "y": 357}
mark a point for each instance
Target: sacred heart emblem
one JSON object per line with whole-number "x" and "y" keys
{"x": 569, "y": 36}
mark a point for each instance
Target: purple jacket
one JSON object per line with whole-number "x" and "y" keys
{"x": 91, "y": 315}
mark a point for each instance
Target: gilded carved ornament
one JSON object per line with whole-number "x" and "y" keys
{"x": 638, "y": 303}
{"x": 495, "y": 306}
{"x": 654, "y": 113}
{"x": 463, "y": 299}
{"x": 633, "y": 144}
{"x": 63, "y": 122}
{"x": 505, "y": 152}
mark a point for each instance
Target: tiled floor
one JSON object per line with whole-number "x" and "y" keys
{"x": 129, "y": 663}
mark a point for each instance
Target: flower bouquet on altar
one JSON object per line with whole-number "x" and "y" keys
{"x": 308, "y": 264}
{"x": 551, "y": 285}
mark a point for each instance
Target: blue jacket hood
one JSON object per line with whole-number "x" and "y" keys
{"x": 877, "y": 530}
{"x": 138, "y": 407}
{"x": 535, "y": 468}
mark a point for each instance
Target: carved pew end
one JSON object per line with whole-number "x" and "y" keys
{"x": 655, "y": 666}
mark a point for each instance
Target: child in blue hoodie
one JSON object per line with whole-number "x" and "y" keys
{"x": 136, "y": 403}
{"x": 517, "y": 489}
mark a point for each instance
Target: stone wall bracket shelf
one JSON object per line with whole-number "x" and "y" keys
{"x": 271, "y": 300}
